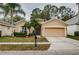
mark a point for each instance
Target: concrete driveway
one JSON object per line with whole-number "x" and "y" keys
{"x": 59, "y": 46}
{"x": 63, "y": 45}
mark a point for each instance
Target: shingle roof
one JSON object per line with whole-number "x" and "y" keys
{"x": 73, "y": 21}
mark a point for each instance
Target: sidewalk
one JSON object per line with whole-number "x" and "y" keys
{"x": 24, "y": 43}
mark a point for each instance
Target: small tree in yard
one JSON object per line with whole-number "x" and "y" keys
{"x": 28, "y": 25}
{"x": 35, "y": 25}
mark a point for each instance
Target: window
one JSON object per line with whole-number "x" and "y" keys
{"x": 23, "y": 29}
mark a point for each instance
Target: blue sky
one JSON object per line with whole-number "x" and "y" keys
{"x": 28, "y": 7}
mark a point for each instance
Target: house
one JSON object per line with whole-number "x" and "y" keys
{"x": 19, "y": 27}
{"x": 6, "y": 29}
{"x": 54, "y": 27}
{"x": 73, "y": 24}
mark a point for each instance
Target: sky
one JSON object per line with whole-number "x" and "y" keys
{"x": 28, "y": 7}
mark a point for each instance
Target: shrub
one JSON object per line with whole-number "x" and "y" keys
{"x": 70, "y": 36}
{"x": 20, "y": 34}
{"x": 76, "y": 33}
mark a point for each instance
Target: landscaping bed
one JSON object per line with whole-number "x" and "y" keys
{"x": 22, "y": 39}
{"x": 23, "y": 47}
{"x": 73, "y": 37}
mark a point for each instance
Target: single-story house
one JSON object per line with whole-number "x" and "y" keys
{"x": 19, "y": 27}
{"x": 54, "y": 27}
{"x": 73, "y": 25}
{"x": 6, "y": 29}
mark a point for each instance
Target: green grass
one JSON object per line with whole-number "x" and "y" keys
{"x": 23, "y": 47}
{"x": 73, "y": 37}
{"x": 22, "y": 39}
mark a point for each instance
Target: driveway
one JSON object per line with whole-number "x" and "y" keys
{"x": 63, "y": 45}
{"x": 59, "y": 46}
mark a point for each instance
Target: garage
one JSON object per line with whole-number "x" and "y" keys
{"x": 55, "y": 31}
{"x": 54, "y": 28}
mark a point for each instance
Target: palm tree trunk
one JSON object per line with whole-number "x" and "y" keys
{"x": 29, "y": 32}
{"x": 4, "y": 17}
{"x": 12, "y": 22}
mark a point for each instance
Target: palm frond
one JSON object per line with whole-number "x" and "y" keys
{"x": 20, "y": 11}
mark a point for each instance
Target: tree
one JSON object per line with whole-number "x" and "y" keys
{"x": 36, "y": 13}
{"x": 17, "y": 18}
{"x": 11, "y": 9}
{"x": 52, "y": 11}
{"x": 65, "y": 13}
{"x": 49, "y": 12}
{"x": 14, "y": 8}
{"x": 34, "y": 23}
{"x": 28, "y": 25}
{"x": 5, "y": 10}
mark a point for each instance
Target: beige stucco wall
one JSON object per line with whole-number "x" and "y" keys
{"x": 54, "y": 24}
{"x": 19, "y": 25}
{"x": 6, "y": 30}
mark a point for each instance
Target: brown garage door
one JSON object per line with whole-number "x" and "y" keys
{"x": 54, "y": 32}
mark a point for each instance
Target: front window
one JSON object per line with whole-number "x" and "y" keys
{"x": 23, "y": 29}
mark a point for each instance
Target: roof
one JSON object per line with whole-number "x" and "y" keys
{"x": 20, "y": 21}
{"x": 73, "y": 21}
{"x": 54, "y": 20}
{"x": 5, "y": 23}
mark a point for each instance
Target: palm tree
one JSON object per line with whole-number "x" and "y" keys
{"x": 5, "y": 10}
{"x": 14, "y": 8}
{"x": 17, "y": 18}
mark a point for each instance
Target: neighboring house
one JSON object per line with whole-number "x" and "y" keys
{"x": 73, "y": 25}
{"x": 54, "y": 27}
{"x": 6, "y": 29}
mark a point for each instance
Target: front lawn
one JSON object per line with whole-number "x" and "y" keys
{"x": 22, "y": 47}
{"x": 73, "y": 37}
{"x": 22, "y": 39}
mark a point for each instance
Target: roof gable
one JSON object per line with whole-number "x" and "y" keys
{"x": 5, "y": 23}
{"x": 55, "y": 22}
{"x": 74, "y": 20}
{"x": 21, "y": 21}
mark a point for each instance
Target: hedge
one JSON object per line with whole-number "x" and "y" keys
{"x": 20, "y": 34}
{"x": 76, "y": 33}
